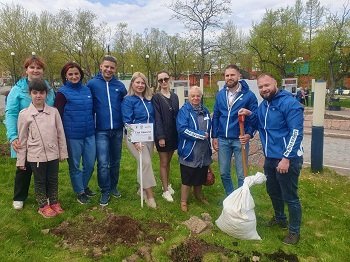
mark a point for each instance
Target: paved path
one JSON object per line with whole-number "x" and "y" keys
{"x": 335, "y": 153}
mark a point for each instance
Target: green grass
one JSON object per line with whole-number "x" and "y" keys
{"x": 345, "y": 101}
{"x": 324, "y": 233}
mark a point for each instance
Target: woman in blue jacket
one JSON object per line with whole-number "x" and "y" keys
{"x": 74, "y": 102}
{"x": 18, "y": 99}
{"x": 194, "y": 149}
{"x": 138, "y": 109}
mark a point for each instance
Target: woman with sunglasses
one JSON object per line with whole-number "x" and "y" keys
{"x": 166, "y": 107}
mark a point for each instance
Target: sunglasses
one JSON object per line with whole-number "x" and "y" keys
{"x": 166, "y": 79}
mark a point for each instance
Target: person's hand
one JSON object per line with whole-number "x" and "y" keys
{"x": 244, "y": 111}
{"x": 283, "y": 166}
{"x": 16, "y": 145}
{"x": 244, "y": 139}
{"x": 62, "y": 159}
{"x": 138, "y": 146}
{"x": 22, "y": 167}
{"x": 206, "y": 135}
{"x": 161, "y": 142}
{"x": 215, "y": 144}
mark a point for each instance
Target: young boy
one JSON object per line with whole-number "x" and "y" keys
{"x": 43, "y": 145}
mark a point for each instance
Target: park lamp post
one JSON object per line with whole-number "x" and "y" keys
{"x": 13, "y": 68}
{"x": 175, "y": 53}
{"x": 132, "y": 69}
{"x": 147, "y": 60}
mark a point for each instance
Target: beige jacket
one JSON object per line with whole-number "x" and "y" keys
{"x": 41, "y": 135}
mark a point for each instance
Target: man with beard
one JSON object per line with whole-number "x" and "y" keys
{"x": 225, "y": 127}
{"x": 279, "y": 120}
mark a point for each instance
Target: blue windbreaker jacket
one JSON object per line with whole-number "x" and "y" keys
{"x": 225, "y": 119}
{"x": 187, "y": 128}
{"x": 280, "y": 125}
{"x": 107, "y": 97}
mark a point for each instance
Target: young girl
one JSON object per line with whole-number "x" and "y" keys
{"x": 43, "y": 144}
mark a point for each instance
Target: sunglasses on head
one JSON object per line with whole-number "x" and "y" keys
{"x": 166, "y": 79}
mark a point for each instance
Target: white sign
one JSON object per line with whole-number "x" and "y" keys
{"x": 140, "y": 132}
{"x": 253, "y": 86}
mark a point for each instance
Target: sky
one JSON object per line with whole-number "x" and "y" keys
{"x": 141, "y": 14}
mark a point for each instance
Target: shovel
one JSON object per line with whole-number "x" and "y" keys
{"x": 244, "y": 153}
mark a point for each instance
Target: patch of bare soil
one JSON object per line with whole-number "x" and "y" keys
{"x": 193, "y": 250}
{"x": 95, "y": 236}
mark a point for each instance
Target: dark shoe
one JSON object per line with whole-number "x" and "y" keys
{"x": 281, "y": 223}
{"x": 83, "y": 199}
{"x": 89, "y": 193}
{"x": 291, "y": 239}
{"x": 116, "y": 194}
{"x": 104, "y": 199}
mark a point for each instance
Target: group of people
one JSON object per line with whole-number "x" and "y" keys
{"x": 84, "y": 123}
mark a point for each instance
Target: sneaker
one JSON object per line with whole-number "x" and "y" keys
{"x": 18, "y": 205}
{"x": 57, "y": 208}
{"x": 116, "y": 194}
{"x": 47, "y": 211}
{"x": 167, "y": 196}
{"x": 151, "y": 202}
{"x": 104, "y": 199}
{"x": 83, "y": 198}
{"x": 281, "y": 223}
{"x": 171, "y": 190}
{"x": 291, "y": 239}
{"x": 89, "y": 192}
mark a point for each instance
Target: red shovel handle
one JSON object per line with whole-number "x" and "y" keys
{"x": 244, "y": 153}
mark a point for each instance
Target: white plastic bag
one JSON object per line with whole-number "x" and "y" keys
{"x": 238, "y": 217}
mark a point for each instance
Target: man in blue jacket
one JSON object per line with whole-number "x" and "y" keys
{"x": 280, "y": 120}
{"x": 108, "y": 93}
{"x": 225, "y": 132}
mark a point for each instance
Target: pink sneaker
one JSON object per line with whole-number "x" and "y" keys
{"x": 57, "y": 208}
{"x": 47, "y": 211}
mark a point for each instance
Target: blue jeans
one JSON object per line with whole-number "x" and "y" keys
{"x": 109, "y": 152}
{"x": 228, "y": 147}
{"x": 283, "y": 188}
{"x": 84, "y": 150}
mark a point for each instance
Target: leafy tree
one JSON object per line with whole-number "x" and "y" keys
{"x": 16, "y": 27}
{"x": 332, "y": 50}
{"x": 232, "y": 46}
{"x": 122, "y": 45}
{"x": 314, "y": 13}
{"x": 276, "y": 41}
{"x": 199, "y": 17}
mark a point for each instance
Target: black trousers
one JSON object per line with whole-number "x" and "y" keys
{"x": 46, "y": 181}
{"x": 22, "y": 183}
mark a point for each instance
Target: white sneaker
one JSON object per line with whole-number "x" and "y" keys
{"x": 171, "y": 190}
{"x": 151, "y": 202}
{"x": 167, "y": 196}
{"x": 18, "y": 205}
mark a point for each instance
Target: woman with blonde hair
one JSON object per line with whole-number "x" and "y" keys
{"x": 138, "y": 109}
{"x": 166, "y": 107}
